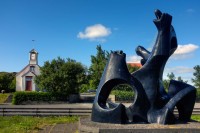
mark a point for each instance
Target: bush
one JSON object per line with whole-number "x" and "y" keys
{"x": 123, "y": 95}
{"x": 61, "y": 75}
{"x": 7, "y": 81}
{"x": 84, "y": 88}
{"x": 198, "y": 95}
{"x": 129, "y": 95}
{"x": 20, "y": 97}
{"x": 123, "y": 87}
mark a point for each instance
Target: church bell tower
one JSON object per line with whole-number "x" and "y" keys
{"x": 33, "y": 57}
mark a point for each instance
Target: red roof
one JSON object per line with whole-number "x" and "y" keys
{"x": 135, "y": 64}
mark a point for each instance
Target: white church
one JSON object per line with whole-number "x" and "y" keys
{"x": 25, "y": 78}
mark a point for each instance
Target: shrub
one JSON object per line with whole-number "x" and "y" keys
{"x": 61, "y": 75}
{"x": 123, "y": 95}
{"x": 123, "y": 87}
{"x": 198, "y": 95}
{"x": 20, "y": 97}
{"x": 84, "y": 88}
{"x": 7, "y": 81}
{"x": 129, "y": 95}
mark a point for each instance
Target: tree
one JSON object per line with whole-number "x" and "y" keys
{"x": 181, "y": 80}
{"x": 171, "y": 76}
{"x": 60, "y": 75}
{"x": 98, "y": 63}
{"x": 196, "y": 79}
{"x": 166, "y": 82}
{"x": 7, "y": 81}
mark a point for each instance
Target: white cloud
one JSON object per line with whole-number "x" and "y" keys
{"x": 134, "y": 59}
{"x": 95, "y": 32}
{"x": 184, "y": 51}
{"x": 186, "y": 73}
{"x": 179, "y": 70}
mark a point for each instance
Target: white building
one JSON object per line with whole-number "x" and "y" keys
{"x": 25, "y": 78}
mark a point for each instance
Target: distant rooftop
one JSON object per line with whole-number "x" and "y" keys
{"x": 134, "y": 64}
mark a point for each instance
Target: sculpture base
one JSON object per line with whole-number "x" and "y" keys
{"x": 88, "y": 126}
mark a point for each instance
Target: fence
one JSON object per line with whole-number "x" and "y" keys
{"x": 44, "y": 111}
{"x": 7, "y": 111}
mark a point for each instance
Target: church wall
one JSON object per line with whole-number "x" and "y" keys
{"x": 18, "y": 83}
{"x": 28, "y": 71}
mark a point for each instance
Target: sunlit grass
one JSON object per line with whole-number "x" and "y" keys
{"x": 3, "y": 97}
{"x": 26, "y": 124}
{"x": 196, "y": 117}
{"x": 29, "y": 124}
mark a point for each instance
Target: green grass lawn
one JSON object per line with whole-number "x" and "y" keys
{"x": 3, "y": 97}
{"x": 196, "y": 117}
{"x": 27, "y": 124}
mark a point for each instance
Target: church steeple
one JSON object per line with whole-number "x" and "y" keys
{"x": 33, "y": 57}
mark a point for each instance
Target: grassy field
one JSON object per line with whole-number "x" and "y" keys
{"x": 3, "y": 97}
{"x": 196, "y": 117}
{"x": 29, "y": 124}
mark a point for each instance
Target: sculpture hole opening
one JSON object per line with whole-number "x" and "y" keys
{"x": 122, "y": 93}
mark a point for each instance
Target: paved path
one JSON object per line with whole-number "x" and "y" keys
{"x": 61, "y": 128}
{"x": 67, "y": 105}
{"x": 197, "y": 105}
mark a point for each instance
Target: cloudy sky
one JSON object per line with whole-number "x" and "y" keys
{"x": 73, "y": 28}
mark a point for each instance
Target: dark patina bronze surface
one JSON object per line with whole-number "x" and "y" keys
{"x": 152, "y": 104}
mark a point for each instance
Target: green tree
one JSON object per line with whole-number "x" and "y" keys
{"x": 60, "y": 75}
{"x": 98, "y": 63}
{"x": 196, "y": 79}
{"x": 7, "y": 81}
{"x": 181, "y": 80}
{"x": 170, "y": 76}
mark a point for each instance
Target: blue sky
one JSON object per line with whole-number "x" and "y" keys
{"x": 73, "y": 28}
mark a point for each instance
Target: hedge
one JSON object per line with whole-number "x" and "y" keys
{"x": 198, "y": 95}
{"x": 20, "y": 97}
{"x": 129, "y": 95}
{"x": 123, "y": 95}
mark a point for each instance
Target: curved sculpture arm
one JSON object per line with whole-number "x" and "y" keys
{"x": 152, "y": 103}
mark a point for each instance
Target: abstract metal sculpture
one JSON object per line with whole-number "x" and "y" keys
{"x": 152, "y": 104}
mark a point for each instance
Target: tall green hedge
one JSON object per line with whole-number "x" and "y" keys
{"x": 198, "y": 95}
{"x": 20, "y": 97}
{"x": 123, "y": 95}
